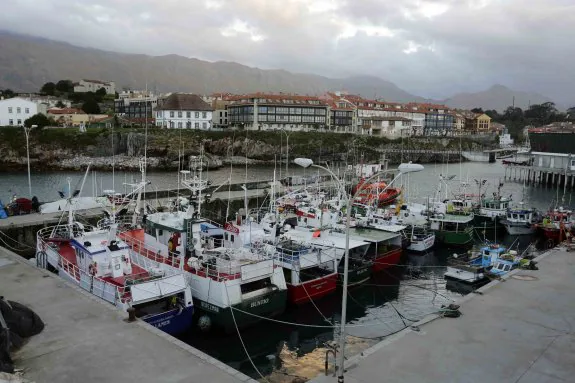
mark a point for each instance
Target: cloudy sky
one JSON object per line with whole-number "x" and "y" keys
{"x": 432, "y": 48}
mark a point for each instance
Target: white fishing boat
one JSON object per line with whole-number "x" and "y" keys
{"x": 231, "y": 286}
{"x": 98, "y": 261}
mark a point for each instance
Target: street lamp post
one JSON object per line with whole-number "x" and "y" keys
{"x": 287, "y": 150}
{"x": 27, "y": 133}
{"x": 403, "y": 168}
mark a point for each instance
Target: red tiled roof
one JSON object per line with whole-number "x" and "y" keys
{"x": 272, "y": 98}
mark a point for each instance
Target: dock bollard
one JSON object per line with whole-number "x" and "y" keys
{"x": 131, "y": 314}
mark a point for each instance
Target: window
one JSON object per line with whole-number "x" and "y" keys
{"x": 221, "y": 113}
{"x": 179, "y": 125}
{"x": 171, "y": 113}
{"x": 204, "y": 125}
{"x": 180, "y": 114}
{"x": 197, "y": 125}
{"x": 27, "y": 110}
{"x": 18, "y": 110}
{"x": 197, "y": 114}
{"x": 11, "y": 122}
{"x": 172, "y": 124}
{"x": 189, "y": 125}
{"x": 19, "y": 122}
{"x": 204, "y": 115}
{"x": 10, "y": 109}
{"x": 189, "y": 114}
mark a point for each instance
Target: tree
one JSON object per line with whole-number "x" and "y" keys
{"x": 101, "y": 93}
{"x": 49, "y": 89}
{"x": 39, "y": 120}
{"x": 477, "y": 110}
{"x": 60, "y": 104}
{"x": 65, "y": 86}
{"x": 7, "y": 93}
{"x": 91, "y": 106}
{"x": 495, "y": 116}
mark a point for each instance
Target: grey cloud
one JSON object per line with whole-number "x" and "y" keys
{"x": 456, "y": 45}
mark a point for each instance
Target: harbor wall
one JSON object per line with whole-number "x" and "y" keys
{"x": 68, "y": 149}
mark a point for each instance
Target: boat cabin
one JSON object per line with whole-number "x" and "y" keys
{"x": 519, "y": 216}
{"x": 496, "y": 206}
{"x": 302, "y": 262}
{"x": 105, "y": 258}
{"x": 488, "y": 255}
{"x": 179, "y": 232}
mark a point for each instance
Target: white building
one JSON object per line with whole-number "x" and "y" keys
{"x": 14, "y": 111}
{"x": 184, "y": 111}
{"x": 93, "y": 85}
{"x": 391, "y": 127}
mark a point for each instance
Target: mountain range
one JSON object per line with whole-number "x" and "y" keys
{"x": 27, "y": 62}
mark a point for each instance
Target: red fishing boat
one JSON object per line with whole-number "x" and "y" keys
{"x": 556, "y": 224}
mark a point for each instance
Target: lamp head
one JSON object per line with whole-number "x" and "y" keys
{"x": 410, "y": 168}
{"x": 303, "y": 162}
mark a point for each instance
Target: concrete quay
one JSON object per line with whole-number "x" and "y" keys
{"x": 87, "y": 340}
{"x": 519, "y": 330}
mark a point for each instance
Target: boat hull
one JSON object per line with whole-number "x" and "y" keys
{"x": 356, "y": 275}
{"x": 518, "y": 229}
{"x": 245, "y": 314}
{"x": 483, "y": 222}
{"x": 386, "y": 260}
{"x": 312, "y": 290}
{"x": 452, "y": 238}
{"x": 173, "y": 322}
{"x": 465, "y": 276}
{"x": 422, "y": 245}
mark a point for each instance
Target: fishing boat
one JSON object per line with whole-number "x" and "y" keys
{"x": 491, "y": 211}
{"x": 520, "y": 221}
{"x": 421, "y": 239}
{"x": 472, "y": 269}
{"x": 99, "y": 262}
{"x": 556, "y": 224}
{"x": 332, "y": 241}
{"x": 310, "y": 272}
{"x": 384, "y": 249}
{"x": 451, "y": 222}
{"x": 223, "y": 278}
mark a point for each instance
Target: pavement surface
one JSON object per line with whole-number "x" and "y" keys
{"x": 87, "y": 340}
{"x": 518, "y": 330}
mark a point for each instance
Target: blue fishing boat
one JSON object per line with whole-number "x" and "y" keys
{"x": 474, "y": 268}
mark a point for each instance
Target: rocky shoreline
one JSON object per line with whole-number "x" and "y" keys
{"x": 122, "y": 162}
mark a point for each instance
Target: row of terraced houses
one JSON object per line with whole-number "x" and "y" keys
{"x": 334, "y": 112}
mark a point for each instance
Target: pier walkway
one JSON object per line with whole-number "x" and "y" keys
{"x": 518, "y": 330}
{"x": 86, "y": 340}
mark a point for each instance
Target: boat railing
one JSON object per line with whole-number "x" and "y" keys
{"x": 153, "y": 253}
{"x": 123, "y": 221}
{"x": 110, "y": 292}
{"x": 230, "y": 269}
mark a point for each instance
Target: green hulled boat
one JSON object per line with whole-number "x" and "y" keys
{"x": 452, "y": 229}
{"x": 246, "y": 313}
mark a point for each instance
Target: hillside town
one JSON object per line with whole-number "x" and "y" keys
{"x": 338, "y": 112}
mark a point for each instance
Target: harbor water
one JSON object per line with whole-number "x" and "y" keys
{"x": 295, "y": 344}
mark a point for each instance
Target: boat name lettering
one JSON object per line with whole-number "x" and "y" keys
{"x": 210, "y": 307}
{"x": 259, "y": 303}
